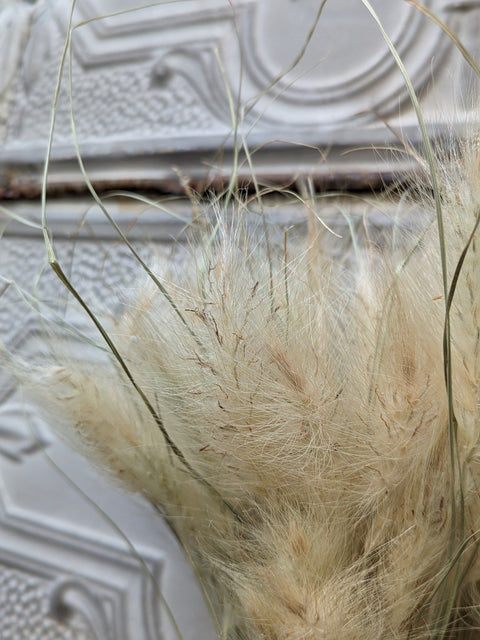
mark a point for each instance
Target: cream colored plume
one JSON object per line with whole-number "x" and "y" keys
{"x": 296, "y": 421}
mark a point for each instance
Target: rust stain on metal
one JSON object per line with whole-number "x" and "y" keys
{"x": 16, "y": 183}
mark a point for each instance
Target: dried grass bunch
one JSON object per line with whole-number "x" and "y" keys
{"x": 309, "y": 429}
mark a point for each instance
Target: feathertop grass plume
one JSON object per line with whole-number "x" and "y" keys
{"x": 310, "y": 467}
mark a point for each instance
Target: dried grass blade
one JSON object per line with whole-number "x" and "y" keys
{"x": 447, "y": 358}
{"x": 446, "y": 29}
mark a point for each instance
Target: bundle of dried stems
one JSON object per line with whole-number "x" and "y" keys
{"x": 310, "y": 429}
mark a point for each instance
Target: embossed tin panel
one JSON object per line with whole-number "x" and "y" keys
{"x": 153, "y": 88}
